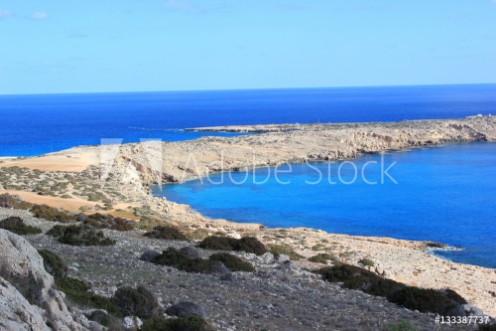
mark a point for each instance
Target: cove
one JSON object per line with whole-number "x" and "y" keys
{"x": 444, "y": 194}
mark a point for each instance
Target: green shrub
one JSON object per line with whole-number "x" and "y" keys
{"x": 402, "y": 326}
{"x": 100, "y": 221}
{"x": 78, "y": 292}
{"x": 174, "y": 258}
{"x": 232, "y": 262}
{"x": 167, "y": 233}
{"x": 246, "y": 244}
{"x": 286, "y": 250}
{"x": 366, "y": 263}
{"x": 136, "y": 302}
{"x": 52, "y": 214}
{"x": 321, "y": 258}
{"x": 17, "y": 226}
{"x": 455, "y": 296}
{"x": 11, "y": 201}
{"x": 218, "y": 243}
{"x": 425, "y": 300}
{"x": 414, "y": 298}
{"x": 487, "y": 327}
{"x": 179, "y": 324}
{"x": 78, "y": 235}
{"x": 53, "y": 264}
{"x": 250, "y": 245}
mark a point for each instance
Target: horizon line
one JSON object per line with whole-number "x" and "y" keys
{"x": 248, "y": 89}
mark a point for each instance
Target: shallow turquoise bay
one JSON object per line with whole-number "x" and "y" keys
{"x": 444, "y": 194}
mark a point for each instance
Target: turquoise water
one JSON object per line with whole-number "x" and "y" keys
{"x": 444, "y": 194}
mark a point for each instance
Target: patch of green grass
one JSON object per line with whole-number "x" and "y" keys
{"x": 53, "y": 264}
{"x": 245, "y": 244}
{"x": 322, "y": 258}
{"x": 78, "y": 292}
{"x": 366, "y": 262}
{"x": 17, "y": 226}
{"x": 286, "y": 250}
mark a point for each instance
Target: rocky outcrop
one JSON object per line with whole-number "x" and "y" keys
{"x": 16, "y": 313}
{"x": 29, "y": 299}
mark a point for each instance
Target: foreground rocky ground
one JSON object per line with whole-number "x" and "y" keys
{"x": 279, "y": 295}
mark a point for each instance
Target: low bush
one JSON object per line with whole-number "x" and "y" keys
{"x": 425, "y": 300}
{"x": 79, "y": 235}
{"x": 232, "y": 262}
{"x": 53, "y": 264}
{"x": 167, "y": 233}
{"x": 218, "y": 243}
{"x": 136, "y": 302}
{"x": 179, "y": 324}
{"x": 487, "y": 327}
{"x": 179, "y": 260}
{"x": 52, "y": 214}
{"x": 245, "y": 244}
{"x": 17, "y": 226}
{"x": 101, "y": 221}
{"x": 13, "y": 201}
{"x": 322, "y": 258}
{"x": 286, "y": 250}
{"x": 78, "y": 292}
{"x": 366, "y": 263}
{"x": 174, "y": 258}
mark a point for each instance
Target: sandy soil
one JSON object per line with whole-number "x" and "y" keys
{"x": 72, "y": 160}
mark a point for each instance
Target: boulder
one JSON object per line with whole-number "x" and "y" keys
{"x": 22, "y": 267}
{"x": 186, "y": 309}
{"x": 190, "y": 252}
{"x": 149, "y": 255}
{"x": 16, "y": 312}
{"x": 218, "y": 267}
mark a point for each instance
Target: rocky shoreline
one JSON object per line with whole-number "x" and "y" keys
{"x": 74, "y": 180}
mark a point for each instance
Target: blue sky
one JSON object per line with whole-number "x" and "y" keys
{"x": 55, "y": 46}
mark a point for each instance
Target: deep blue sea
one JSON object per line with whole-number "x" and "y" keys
{"x": 443, "y": 194}
{"x": 37, "y": 124}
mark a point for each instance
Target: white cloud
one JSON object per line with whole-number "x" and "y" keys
{"x": 5, "y": 13}
{"x": 39, "y": 16}
{"x": 180, "y": 5}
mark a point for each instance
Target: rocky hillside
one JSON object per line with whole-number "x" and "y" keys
{"x": 191, "y": 280}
